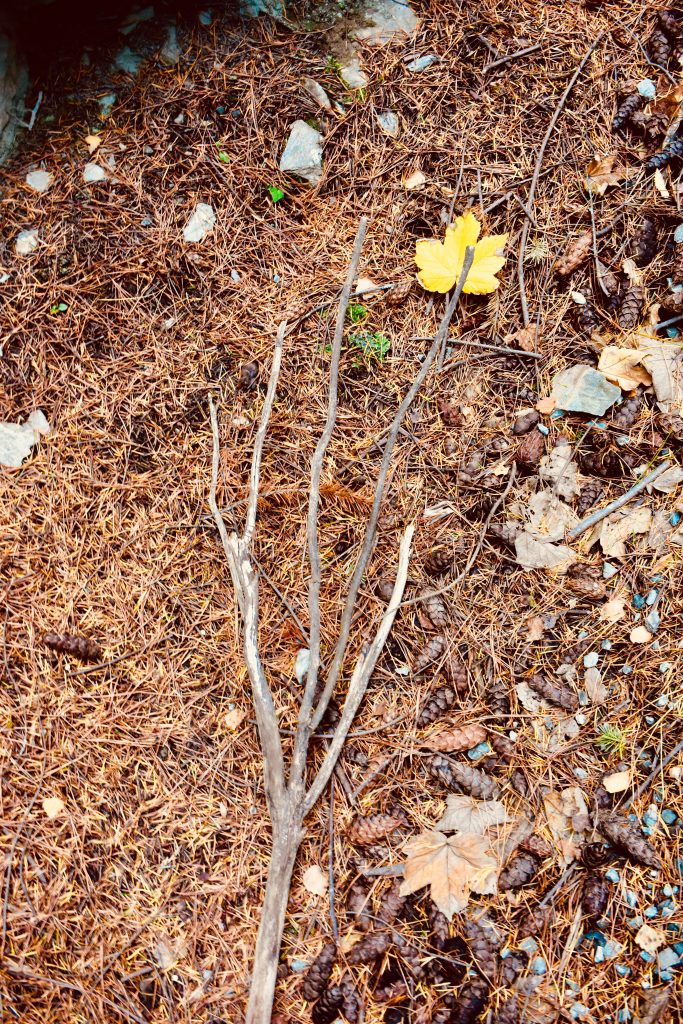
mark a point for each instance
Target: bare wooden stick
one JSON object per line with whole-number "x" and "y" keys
{"x": 618, "y": 503}
{"x": 510, "y": 57}
{"x": 261, "y": 435}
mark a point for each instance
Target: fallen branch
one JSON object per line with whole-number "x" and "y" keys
{"x": 618, "y": 503}
{"x": 289, "y": 794}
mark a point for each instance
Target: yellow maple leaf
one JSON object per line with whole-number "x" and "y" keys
{"x": 440, "y": 263}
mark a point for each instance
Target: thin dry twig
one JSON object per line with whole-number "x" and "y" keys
{"x": 618, "y": 503}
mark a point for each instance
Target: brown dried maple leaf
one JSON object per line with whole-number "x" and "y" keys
{"x": 453, "y": 866}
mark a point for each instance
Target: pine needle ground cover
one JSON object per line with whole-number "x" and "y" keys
{"x": 502, "y": 837}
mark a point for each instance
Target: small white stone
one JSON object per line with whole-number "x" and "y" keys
{"x": 303, "y": 153}
{"x": 26, "y": 242}
{"x": 200, "y": 223}
{"x": 353, "y": 75}
{"x": 317, "y": 93}
{"x": 93, "y": 173}
{"x": 39, "y": 181}
{"x": 388, "y": 122}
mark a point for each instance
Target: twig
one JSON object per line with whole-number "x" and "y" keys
{"x": 618, "y": 503}
{"x": 485, "y": 344}
{"x": 511, "y": 56}
{"x": 330, "y": 864}
{"x": 537, "y": 170}
{"x": 644, "y": 786}
{"x": 34, "y": 113}
{"x": 261, "y": 436}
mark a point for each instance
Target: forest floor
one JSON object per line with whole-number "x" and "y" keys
{"x": 134, "y": 830}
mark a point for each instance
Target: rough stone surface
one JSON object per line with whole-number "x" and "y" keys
{"x": 303, "y": 154}
{"x": 26, "y": 242}
{"x": 39, "y": 181}
{"x": 170, "y": 53}
{"x": 583, "y": 389}
{"x": 422, "y": 63}
{"x": 317, "y": 93}
{"x": 388, "y": 122}
{"x": 13, "y": 85}
{"x": 200, "y": 223}
{"x": 353, "y": 75}
{"x": 93, "y": 173}
{"x": 386, "y": 19}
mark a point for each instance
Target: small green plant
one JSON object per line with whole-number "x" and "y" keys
{"x": 357, "y": 312}
{"x": 222, "y": 155}
{"x": 276, "y": 194}
{"x": 58, "y": 307}
{"x": 333, "y": 66}
{"x": 611, "y": 740}
{"x": 372, "y": 344}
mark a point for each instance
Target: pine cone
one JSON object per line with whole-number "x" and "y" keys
{"x": 365, "y": 831}
{"x": 470, "y": 470}
{"x": 626, "y": 414}
{"x": 438, "y": 924}
{"x": 585, "y": 586}
{"x": 437, "y": 704}
{"x": 503, "y": 746}
{"x": 537, "y": 845}
{"x": 392, "y": 903}
{"x": 470, "y": 1002}
{"x": 351, "y": 1002}
{"x": 534, "y": 922}
{"x": 671, "y": 152}
{"x": 576, "y": 253}
{"x": 498, "y": 697}
{"x": 436, "y": 610}
{"x": 319, "y": 973}
{"x": 590, "y": 493}
{"x": 390, "y": 991}
{"x": 358, "y": 904}
{"x": 671, "y": 424}
{"x": 433, "y": 652}
{"x": 483, "y": 951}
{"x": 451, "y": 414}
{"x": 595, "y": 896}
{"x": 368, "y": 949}
{"x": 512, "y": 966}
{"x": 410, "y": 955}
{"x": 456, "y": 738}
{"x": 677, "y": 268}
{"x": 518, "y": 872}
{"x": 594, "y": 855}
{"x": 604, "y": 464}
{"x": 508, "y": 1012}
{"x": 398, "y": 294}
{"x": 77, "y": 646}
{"x": 631, "y": 305}
{"x": 668, "y": 21}
{"x": 646, "y": 242}
{"x": 625, "y": 110}
{"x": 627, "y": 836}
{"x": 556, "y": 692}
{"x": 659, "y": 48}
{"x": 464, "y": 777}
{"x": 325, "y": 1011}
{"x": 440, "y": 560}
{"x": 248, "y": 376}
{"x": 587, "y": 319}
{"x": 455, "y": 671}
{"x": 385, "y": 589}
{"x": 531, "y": 449}
{"x": 519, "y": 783}
{"x": 505, "y": 533}
{"x": 525, "y": 422}
{"x": 451, "y": 966}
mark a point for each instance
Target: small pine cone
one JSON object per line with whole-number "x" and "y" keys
{"x": 537, "y": 845}
{"x": 392, "y": 903}
{"x": 439, "y": 560}
{"x": 631, "y": 305}
{"x": 470, "y": 470}
{"x": 518, "y": 872}
{"x": 498, "y": 697}
{"x": 385, "y": 588}
{"x": 437, "y": 704}
{"x": 587, "y": 319}
{"x": 531, "y": 449}
{"x": 525, "y": 422}
{"x": 451, "y": 966}
{"x": 77, "y": 646}
{"x": 390, "y": 991}
{"x": 627, "y": 836}
{"x": 503, "y": 746}
{"x": 439, "y": 927}
{"x": 603, "y": 799}
{"x": 464, "y": 777}
{"x": 456, "y": 738}
{"x": 671, "y": 152}
{"x": 508, "y": 1012}
{"x": 505, "y": 533}
{"x": 519, "y": 783}
{"x": 455, "y": 671}
{"x": 586, "y": 586}
{"x": 248, "y": 376}
{"x": 604, "y": 464}
{"x": 590, "y": 493}
{"x": 594, "y": 896}
{"x": 659, "y": 48}
{"x": 409, "y": 955}
{"x": 576, "y": 253}
{"x": 483, "y": 951}
{"x": 512, "y": 966}
{"x": 351, "y": 1002}
{"x": 669, "y": 23}
{"x": 319, "y": 973}
{"x": 325, "y": 1011}
{"x": 625, "y": 111}
{"x": 556, "y": 692}
{"x": 433, "y": 652}
{"x": 368, "y": 949}
{"x": 470, "y": 1002}
{"x": 594, "y": 855}
{"x": 451, "y": 414}
{"x": 437, "y": 611}
{"x": 677, "y": 268}
{"x": 358, "y": 905}
{"x": 657, "y": 124}
{"x": 365, "y": 831}
{"x": 626, "y": 414}
{"x": 397, "y": 295}
{"x": 671, "y": 425}
{"x": 534, "y": 921}
{"x": 646, "y": 242}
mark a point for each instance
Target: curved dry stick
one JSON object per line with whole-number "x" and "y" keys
{"x": 261, "y": 435}
{"x": 618, "y": 503}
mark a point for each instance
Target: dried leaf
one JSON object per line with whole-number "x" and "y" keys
{"x": 640, "y": 635}
{"x": 535, "y": 628}
{"x": 614, "y": 610}
{"x": 616, "y": 529}
{"x": 623, "y": 366}
{"x": 53, "y": 806}
{"x": 17, "y": 439}
{"x": 669, "y": 480}
{"x": 650, "y": 939}
{"x": 526, "y": 338}
{"x": 455, "y": 738}
{"x": 540, "y": 554}
{"x": 315, "y": 881}
{"x": 546, "y": 405}
{"x": 530, "y": 700}
{"x": 653, "y": 1005}
{"x": 660, "y": 184}
{"x": 617, "y": 782}
{"x": 633, "y": 273}
{"x": 93, "y": 142}
{"x": 559, "y": 468}
{"x": 596, "y": 691}
{"x": 234, "y": 719}
{"x": 664, "y": 362}
{"x": 465, "y": 814}
{"x": 452, "y": 867}
{"x": 601, "y": 173}
{"x": 414, "y": 180}
{"x": 567, "y": 816}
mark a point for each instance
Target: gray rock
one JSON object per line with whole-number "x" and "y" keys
{"x": 252, "y": 8}
{"x": 170, "y": 53}
{"x": 200, "y": 223}
{"x": 39, "y": 181}
{"x": 126, "y": 60}
{"x": 93, "y": 173}
{"x": 303, "y": 154}
{"x": 386, "y": 19}
{"x": 388, "y": 122}
{"x": 422, "y": 63}
{"x": 106, "y": 104}
{"x": 583, "y": 389}
{"x": 317, "y": 93}
{"x": 26, "y": 242}
{"x": 135, "y": 18}
{"x": 352, "y": 74}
